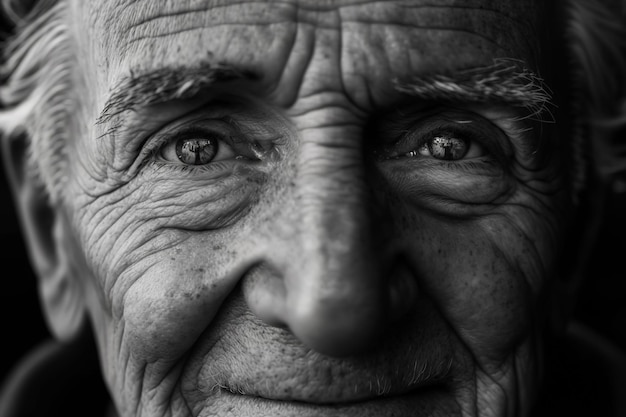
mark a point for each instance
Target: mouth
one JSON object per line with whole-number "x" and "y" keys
{"x": 370, "y": 391}
{"x": 432, "y": 400}
{"x": 334, "y": 382}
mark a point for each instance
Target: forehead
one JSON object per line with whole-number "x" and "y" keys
{"x": 369, "y": 41}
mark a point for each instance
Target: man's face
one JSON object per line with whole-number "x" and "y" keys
{"x": 313, "y": 208}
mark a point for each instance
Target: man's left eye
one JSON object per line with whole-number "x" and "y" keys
{"x": 447, "y": 146}
{"x": 196, "y": 148}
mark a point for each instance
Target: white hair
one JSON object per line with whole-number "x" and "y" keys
{"x": 36, "y": 94}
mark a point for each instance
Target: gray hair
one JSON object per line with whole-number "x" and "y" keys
{"x": 37, "y": 95}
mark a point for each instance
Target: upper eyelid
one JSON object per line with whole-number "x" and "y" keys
{"x": 191, "y": 124}
{"x": 465, "y": 131}
{"x": 440, "y": 120}
{"x": 504, "y": 120}
{"x": 240, "y": 120}
{"x": 166, "y": 135}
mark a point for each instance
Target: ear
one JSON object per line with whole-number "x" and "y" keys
{"x": 45, "y": 231}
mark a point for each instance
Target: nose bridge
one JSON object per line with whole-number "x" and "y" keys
{"x": 333, "y": 206}
{"x": 335, "y": 301}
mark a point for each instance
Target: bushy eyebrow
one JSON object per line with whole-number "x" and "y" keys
{"x": 138, "y": 89}
{"x": 503, "y": 82}
{"x": 506, "y": 82}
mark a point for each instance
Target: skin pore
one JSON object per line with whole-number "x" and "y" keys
{"x": 326, "y": 253}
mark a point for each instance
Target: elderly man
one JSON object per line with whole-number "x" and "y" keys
{"x": 308, "y": 208}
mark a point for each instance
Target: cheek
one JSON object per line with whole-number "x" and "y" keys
{"x": 486, "y": 299}
{"x": 158, "y": 288}
{"x": 167, "y": 300}
{"x": 480, "y": 284}
{"x": 167, "y": 309}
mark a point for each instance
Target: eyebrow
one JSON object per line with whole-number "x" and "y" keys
{"x": 144, "y": 88}
{"x": 505, "y": 81}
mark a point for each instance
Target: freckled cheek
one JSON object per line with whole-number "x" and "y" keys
{"x": 168, "y": 307}
{"x": 163, "y": 279}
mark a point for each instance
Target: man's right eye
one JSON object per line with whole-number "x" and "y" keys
{"x": 197, "y": 147}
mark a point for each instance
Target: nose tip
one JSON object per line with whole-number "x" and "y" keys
{"x": 353, "y": 318}
{"x": 338, "y": 324}
{"x": 337, "y": 320}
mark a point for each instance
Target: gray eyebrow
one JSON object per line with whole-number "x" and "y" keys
{"x": 162, "y": 85}
{"x": 506, "y": 81}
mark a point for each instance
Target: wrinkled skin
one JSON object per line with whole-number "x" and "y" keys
{"x": 329, "y": 265}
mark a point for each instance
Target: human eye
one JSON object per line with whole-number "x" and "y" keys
{"x": 205, "y": 141}
{"x": 197, "y": 146}
{"x": 447, "y": 145}
{"x": 443, "y": 137}
{"x": 450, "y": 159}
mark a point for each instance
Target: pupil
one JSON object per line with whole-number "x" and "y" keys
{"x": 196, "y": 151}
{"x": 448, "y": 148}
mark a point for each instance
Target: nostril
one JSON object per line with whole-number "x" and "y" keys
{"x": 402, "y": 290}
{"x": 264, "y": 290}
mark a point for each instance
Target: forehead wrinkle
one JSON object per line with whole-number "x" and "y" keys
{"x": 193, "y": 19}
{"x": 488, "y": 23}
{"x": 157, "y": 20}
{"x": 151, "y": 22}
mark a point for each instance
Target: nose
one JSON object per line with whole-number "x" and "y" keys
{"x": 328, "y": 273}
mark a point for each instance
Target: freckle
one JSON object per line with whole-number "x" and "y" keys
{"x": 217, "y": 247}
{"x": 172, "y": 258}
{"x": 200, "y": 269}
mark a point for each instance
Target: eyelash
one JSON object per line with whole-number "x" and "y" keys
{"x": 412, "y": 136}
